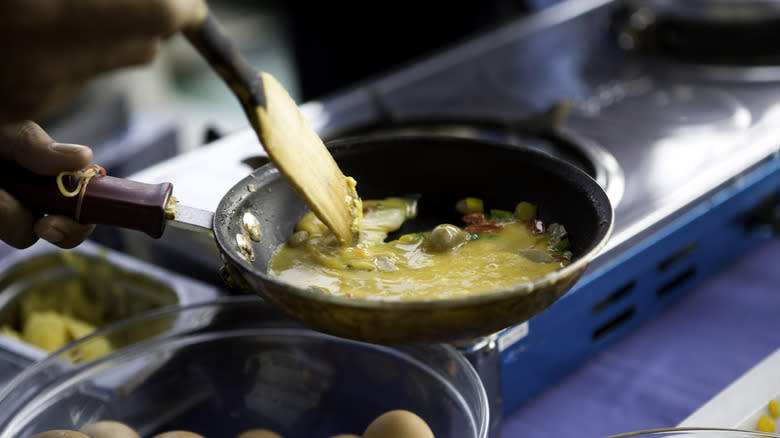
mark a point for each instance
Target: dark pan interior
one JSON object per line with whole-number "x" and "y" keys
{"x": 444, "y": 170}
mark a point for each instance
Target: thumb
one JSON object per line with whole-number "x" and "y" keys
{"x": 30, "y": 146}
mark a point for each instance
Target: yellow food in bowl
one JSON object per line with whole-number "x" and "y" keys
{"x": 765, "y": 420}
{"x": 50, "y": 331}
{"x": 51, "y": 319}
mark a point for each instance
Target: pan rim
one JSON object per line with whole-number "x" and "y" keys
{"x": 567, "y": 273}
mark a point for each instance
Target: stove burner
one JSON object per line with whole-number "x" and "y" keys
{"x": 734, "y": 39}
{"x": 580, "y": 152}
{"x": 674, "y": 109}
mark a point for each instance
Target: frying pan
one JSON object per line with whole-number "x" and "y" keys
{"x": 440, "y": 170}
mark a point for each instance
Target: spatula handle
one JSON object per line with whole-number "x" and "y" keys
{"x": 106, "y": 200}
{"x": 220, "y": 52}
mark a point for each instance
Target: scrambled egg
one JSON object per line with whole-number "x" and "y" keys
{"x": 492, "y": 250}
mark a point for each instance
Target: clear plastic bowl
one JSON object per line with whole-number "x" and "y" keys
{"x": 695, "y": 432}
{"x": 223, "y": 367}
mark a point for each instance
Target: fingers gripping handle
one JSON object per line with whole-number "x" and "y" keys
{"x": 106, "y": 200}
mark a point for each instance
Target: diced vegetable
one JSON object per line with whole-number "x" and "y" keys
{"x": 766, "y": 424}
{"x": 411, "y": 238}
{"x": 46, "y": 330}
{"x": 561, "y": 246}
{"x": 91, "y": 349}
{"x": 774, "y": 409}
{"x": 470, "y": 205}
{"x": 538, "y": 227}
{"x": 557, "y": 232}
{"x": 501, "y": 215}
{"x": 487, "y": 227}
{"x": 444, "y": 238}
{"x": 525, "y": 211}
{"x": 474, "y": 218}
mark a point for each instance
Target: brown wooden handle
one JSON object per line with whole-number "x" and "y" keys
{"x": 220, "y": 52}
{"x": 106, "y": 200}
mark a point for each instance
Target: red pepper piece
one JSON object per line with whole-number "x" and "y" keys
{"x": 487, "y": 227}
{"x": 475, "y": 218}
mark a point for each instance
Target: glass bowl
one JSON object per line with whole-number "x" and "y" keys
{"x": 222, "y": 367}
{"x": 695, "y": 432}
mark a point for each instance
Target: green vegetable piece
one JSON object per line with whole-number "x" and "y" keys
{"x": 411, "y": 238}
{"x": 525, "y": 211}
{"x": 501, "y": 215}
{"x": 561, "y": 246}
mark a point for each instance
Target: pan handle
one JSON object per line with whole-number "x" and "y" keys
{"x": 105, "y": 200}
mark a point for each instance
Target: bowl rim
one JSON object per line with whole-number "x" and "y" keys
{"x": 17, "y": 383}
{"x": 667, "y": 430}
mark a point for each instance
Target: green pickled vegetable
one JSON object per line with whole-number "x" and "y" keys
{"x": 525, "y": 211}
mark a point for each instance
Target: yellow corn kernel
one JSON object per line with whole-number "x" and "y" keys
{"x": 774, "y": 409}
{"x": 765, "y": 424}
{"x": 470, "y": 205}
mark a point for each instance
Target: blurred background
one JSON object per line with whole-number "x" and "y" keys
{"x": 313, "y": 48}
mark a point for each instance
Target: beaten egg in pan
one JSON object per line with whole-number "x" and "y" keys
{"x": 491, "y": 249}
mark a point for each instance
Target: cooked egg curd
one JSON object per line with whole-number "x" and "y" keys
{"x": 492, "y": 251}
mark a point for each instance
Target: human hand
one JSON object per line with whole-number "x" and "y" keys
{"x": 50, "y": 48}
{"x": 29, "y": 146}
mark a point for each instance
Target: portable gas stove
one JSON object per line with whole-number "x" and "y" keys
{"x": 685, "y": 146}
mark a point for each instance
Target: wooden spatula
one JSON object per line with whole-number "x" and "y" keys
{"x": 292, "y": 145}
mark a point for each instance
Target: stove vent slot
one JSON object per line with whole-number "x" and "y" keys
{"x": 613, "y": 324}
{"x": 766, "y": 213}
{"x": 613, "y": 298}
{"x": 676, "y": 257}
{"x": 676, "y": 282}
